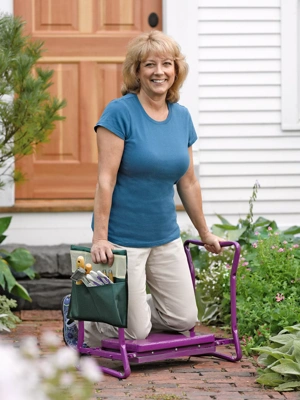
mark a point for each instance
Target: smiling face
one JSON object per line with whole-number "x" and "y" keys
{"x": 156, "y": 74}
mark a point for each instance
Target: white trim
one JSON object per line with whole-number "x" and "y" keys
{"x": 7, "y": 195}
{"x": 7, "y": 6}
{"x": 290, "y": 104}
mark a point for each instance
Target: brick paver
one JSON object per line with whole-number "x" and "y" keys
{"x": 202, "y": 378}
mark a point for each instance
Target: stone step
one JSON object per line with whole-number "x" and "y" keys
{"x": 46, "y": 294}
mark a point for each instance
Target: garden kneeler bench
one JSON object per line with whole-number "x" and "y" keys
{"x": 157, "y": 346}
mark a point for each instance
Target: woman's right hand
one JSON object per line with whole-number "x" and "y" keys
{"x": 101, "y": 252}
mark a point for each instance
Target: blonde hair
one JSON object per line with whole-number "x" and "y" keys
{"x": 138, "y": 50}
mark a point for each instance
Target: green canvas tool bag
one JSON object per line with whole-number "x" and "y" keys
{"x": 107, "y": 303}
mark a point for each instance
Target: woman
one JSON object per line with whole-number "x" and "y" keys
{"x": 145, "y": 147}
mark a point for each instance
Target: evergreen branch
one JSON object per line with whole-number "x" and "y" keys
{"x": 29, "y": 118}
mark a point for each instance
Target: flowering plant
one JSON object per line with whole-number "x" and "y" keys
{"x": 268, "y": 278}
{"x": 24, "y": 375}
{"x": 8, "y": 319}
{"x": 268, "y": 289}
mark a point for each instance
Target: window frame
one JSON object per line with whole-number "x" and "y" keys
{"x": 290, "y": 83}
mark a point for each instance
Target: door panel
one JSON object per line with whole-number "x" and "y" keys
{"x": 85, "y": 42}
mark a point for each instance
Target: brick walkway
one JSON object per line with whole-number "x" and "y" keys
{"x": 201, "y": 378}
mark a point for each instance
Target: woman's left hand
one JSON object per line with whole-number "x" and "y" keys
{"x": 212, "y": 243}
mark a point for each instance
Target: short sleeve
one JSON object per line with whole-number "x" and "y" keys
{"x": 116, "y": 119}
{"x": 192, "y": 132}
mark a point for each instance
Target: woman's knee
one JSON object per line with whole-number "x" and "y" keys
{"x": 139, "y": 332}
{"x": 184, "y": 322}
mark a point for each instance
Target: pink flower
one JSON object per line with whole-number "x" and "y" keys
{"x": 296, "y": 246}
{"x": 285, "y": 242}
{"x": 279, "y": 297}
{"x": 245, "y": 264}
{"x": 254, "y": 245}
{"x": 276, "y": 233}
{"x": 270, "y": 228}
{"x": 273, "y": 247}
{"x": 228, "y": 266}
{"x": 256, "y": 233}
{"x": 280, "y": 250}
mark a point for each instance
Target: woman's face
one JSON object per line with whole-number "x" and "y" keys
{"x": 157, "y": 75}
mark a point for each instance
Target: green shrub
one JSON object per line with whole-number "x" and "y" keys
{"x": 19, "y": 260}
{"x": 268, "y": 288}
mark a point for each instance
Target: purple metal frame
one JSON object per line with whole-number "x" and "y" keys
{"x": 162, "y": 346}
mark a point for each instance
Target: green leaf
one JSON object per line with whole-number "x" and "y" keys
{"x": 20, "y": 259}
{"x": 2, "y": 237}
{"x": 293, "y": 230}
{"x": 261, "y": 221}
{"x": 276, "y": 353}
{"x": 20, "y": 291}
{"x": 226, "y": 227}
{"x": 287, "y": 367}
{"x": 293, "y": 328}
{"x": 224, "y": 221}
{"x": 7, "y": 280}
{"x": 4, "y": 224}
{"x": 266, "y": 360}
{"x": 270, "y": 379}
{"x": 210, "y": 313}
{"x": 218, "y": 231}
{"x": 274, "y": 226}
{"x": 280, "y": 352}
{"x": 30, "y": 273}
{"x": 235, "y": 235}
{"x": 296, "y": 351}
{"x": 288, "y": 386}
{"x": 283, "y": 339}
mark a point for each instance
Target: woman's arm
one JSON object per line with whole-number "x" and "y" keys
{"x": 110, "y": 151}
{"x": 189, "y": 192}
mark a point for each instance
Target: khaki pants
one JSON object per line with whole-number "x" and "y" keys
{"x": 171, "y": 305}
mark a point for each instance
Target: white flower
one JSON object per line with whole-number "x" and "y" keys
{"x": 47, "y": 368}
{"x": 29, "y": 347}
{"x": 50, "y": 339}
{"x": 66, "y": 379}
{"x": 90, "y": 370}
{"x": 19, "y": 378}
{"x": 66, "y": 358}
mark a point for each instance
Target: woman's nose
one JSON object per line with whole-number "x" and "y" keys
{"x": 159, "y": 69}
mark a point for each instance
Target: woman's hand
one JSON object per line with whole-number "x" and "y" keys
{"x": 212, "y": 243}
{"x": 101, "y": 252}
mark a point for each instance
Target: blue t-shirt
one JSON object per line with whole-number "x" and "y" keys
{"x": 155, "y": 157}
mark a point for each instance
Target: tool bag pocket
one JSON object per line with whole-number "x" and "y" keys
{"x": 106, "y": 303}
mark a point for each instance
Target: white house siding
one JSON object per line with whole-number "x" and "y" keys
{"x": 239, "y": 106}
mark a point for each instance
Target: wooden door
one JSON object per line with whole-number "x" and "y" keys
{"x": 86, "y": 42}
